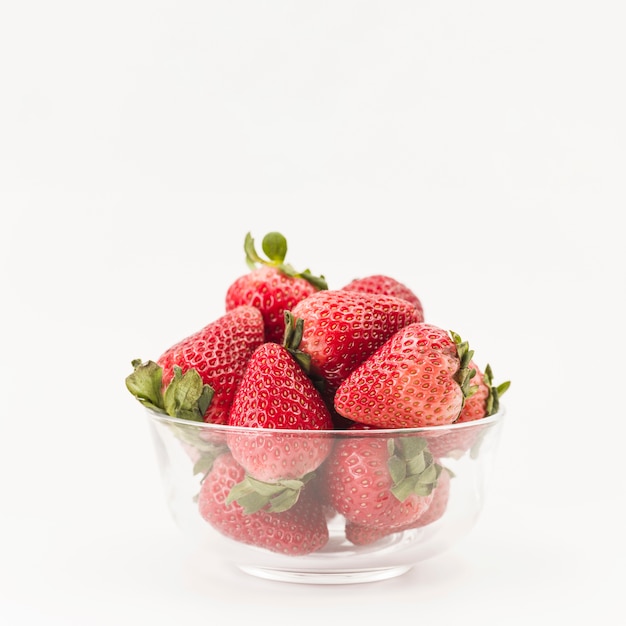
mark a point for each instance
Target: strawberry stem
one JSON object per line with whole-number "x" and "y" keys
{"x": 294, "y": 328}
{"x": 274, "y": 246}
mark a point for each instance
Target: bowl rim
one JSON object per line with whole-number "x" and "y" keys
{"x": 337, "y": 432}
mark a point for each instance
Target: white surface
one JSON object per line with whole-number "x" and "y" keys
{"x": 475, "y": 151}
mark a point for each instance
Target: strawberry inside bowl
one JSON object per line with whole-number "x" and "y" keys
{"x": 320, "y": 435}
{"x": 369, "y": 504}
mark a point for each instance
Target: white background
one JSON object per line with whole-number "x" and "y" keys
{"x": 473, "y": 150}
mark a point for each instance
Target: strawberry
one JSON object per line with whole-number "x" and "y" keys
{"x": 381, "y": 284}
{"x": 343, "y": 328}
{"x": 276, "y": 394}
{"x": 380, "y": 482}
{"x": 361, "y": 535}
{"x": 419, "y": 377}
{"x": 298, "y": 531}
{"x": 272, "y": 286}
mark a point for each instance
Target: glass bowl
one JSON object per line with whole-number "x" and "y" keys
{"x": 336, "y": 516}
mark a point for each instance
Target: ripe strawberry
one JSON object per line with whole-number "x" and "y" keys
{"x": 419, "y": 377}
{"x": 361, "y": 535}
{"x": 272, "y": 286}
{"x": 276, "y": 394}
{"x": 343, "y": 328}
{"x": 382, "y": 483}
{"x": 219, "y": 353}
{"x": 381, "y": 284}
{"x": 299, "y": 531}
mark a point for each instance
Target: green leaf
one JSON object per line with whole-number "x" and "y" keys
{"x": 284, "y": 500}
{"x": 464, "y": 374}
{"x": 252, "y": 502}
{"x": 424, "y": 489}
{"x": 266, "y": 489}
{"x": 502, "y": 387}
{"x": 253, "y": 495}
{"x": 204, "y": 401}
{"x": 275, "y": 247}
{"x": 492, "y": 404}
{"x": 183, "y": 394}
{"x": 203, "y": 465}
{"x": 252, "y": 258}
{"x": 429, "y": 475}
{"x": 318, "y": 282}
{"x": 404, "y": 489}
{"x": 416, "y": 464}
{"x": 411, "y": 446}
{"x": 412, "y": 468}
{"x": 145, "y": 384}
{"x": 397, "y": 469}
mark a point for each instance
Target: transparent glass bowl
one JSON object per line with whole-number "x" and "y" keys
{"x": 351, "y": 551}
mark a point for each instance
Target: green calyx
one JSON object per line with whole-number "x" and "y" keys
{"x": 254, "y": 495}
{"x": 274, "y": 246}
{"x": 292, "y": 338}
{"x": 495, "y": 392}
{"x": 411, "y": 467}
{"x": 186, "y": 396}
{"x": 294, "y": 328}
{"x": 464, "y": 374}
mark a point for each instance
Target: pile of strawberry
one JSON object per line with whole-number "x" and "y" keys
{"x": 290, "y": 354}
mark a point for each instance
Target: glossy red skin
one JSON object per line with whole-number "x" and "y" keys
{"x": 408, "y": 382}
{"x": 275, "y": 394}
{"x": 358, "y": 486}
{"x": 273, "y": 293}
{"x": 343, "y": 328}
{"x": 219, "y": 352}
{"x": 300, "y": 530}
{"x": 381, "y": 284}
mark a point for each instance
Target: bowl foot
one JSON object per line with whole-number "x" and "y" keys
{"x": 328, "y": 577}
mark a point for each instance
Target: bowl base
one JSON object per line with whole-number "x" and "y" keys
{"x": 329, "y": 577}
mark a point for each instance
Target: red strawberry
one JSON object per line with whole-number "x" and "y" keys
{"x": 419, "y": 377}
{"x": 300, "y": 530}
{"x": 272, "y": 286}
{"x": 219, "y": 353}
{"x": 378, "y": 283}
{"x": 361, "y": 535}
{"x": 382, "y": 483}
{"x": 276, "y": 394}
{"x": 343, "y": 328}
